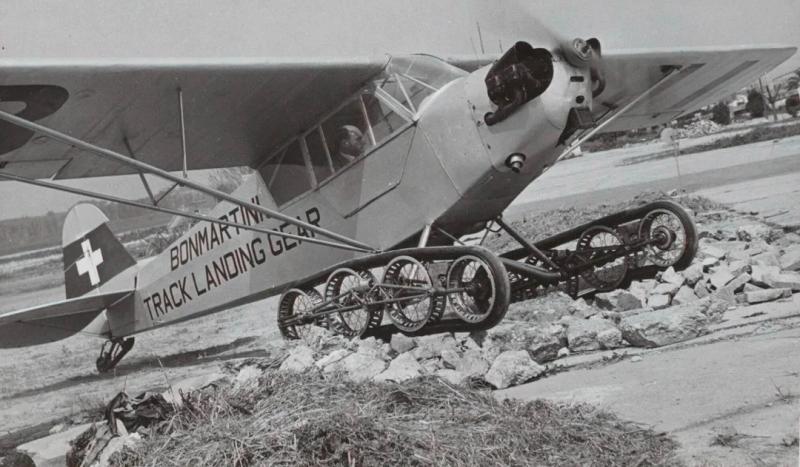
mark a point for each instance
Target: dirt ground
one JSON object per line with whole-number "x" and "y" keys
{"x": 696, "y": 392}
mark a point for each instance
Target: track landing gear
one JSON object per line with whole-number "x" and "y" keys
{"x": 112, "y": 352}
{"x": 428, "y": 290}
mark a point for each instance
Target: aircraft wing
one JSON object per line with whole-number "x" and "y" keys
{"x": 54, "y": 321}
{"x": 235, "y": 110}
{"x": 706, "y": 76}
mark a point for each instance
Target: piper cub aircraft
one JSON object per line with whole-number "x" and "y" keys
{"x": 366, "y": 172}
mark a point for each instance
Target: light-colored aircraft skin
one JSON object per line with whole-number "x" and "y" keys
{"x": 446, "y": 166}
{"x": 424, "y": 172}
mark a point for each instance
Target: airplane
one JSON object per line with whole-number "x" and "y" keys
{"x": 366, "y": 172}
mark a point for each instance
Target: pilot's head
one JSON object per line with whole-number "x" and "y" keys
{"x": 351, "y": 141}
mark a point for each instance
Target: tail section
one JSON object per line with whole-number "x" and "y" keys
{"x": 92, "y": 254}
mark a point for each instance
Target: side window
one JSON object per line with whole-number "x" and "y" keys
{"x": 286, "y": 175}
{"x": 384, "y": 120}
{"x": 318, "y": 152}
{"x": 346, "y": 133}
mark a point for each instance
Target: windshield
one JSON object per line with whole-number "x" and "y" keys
{"x": 410, "y": 79}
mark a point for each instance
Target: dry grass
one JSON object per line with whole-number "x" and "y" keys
{"x": 291, "y": 419}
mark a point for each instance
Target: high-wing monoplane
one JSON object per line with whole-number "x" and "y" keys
{"x": 366, "y": 172}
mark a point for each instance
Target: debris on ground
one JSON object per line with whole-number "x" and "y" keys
{"x": 308, "y": 419}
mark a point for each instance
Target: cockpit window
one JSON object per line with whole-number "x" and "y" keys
{"x": 286, "y": 175}
{"x": 386, "y": 105}
{"x": 346, "y": 134}
{"x": 422, "y": 75}
{"x": 318, "y": 152}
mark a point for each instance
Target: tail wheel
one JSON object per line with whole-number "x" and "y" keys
{"x": 482, "y": 289}
{"x": 671, "y": 233}
{"x": 596, "y": 241}
{"x": 297, "y": 302}
{"x": 353, "y": 291}
{"x": 414, "y": 283}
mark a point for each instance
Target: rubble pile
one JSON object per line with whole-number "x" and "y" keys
{"x": 698, "y": 128}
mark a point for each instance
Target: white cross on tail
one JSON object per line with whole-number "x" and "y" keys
{"x": 89, "y": 262}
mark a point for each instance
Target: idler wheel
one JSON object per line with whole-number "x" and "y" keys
{"x": 596, "y": 241}
{"x": 409, "y": 281}
{"x": 353, "y": 292}
{"x": 297, "y": 302}
{"x": 481, "y": 291}
{"x": 671, "y": 235}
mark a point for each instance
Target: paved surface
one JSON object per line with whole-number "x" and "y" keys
{"x": 746, "y": 385}
{"x": 760, "y": 177}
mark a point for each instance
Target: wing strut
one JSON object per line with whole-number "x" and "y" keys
{"x": 174, "y": 212}
{"x": 115, "y": 156}
{"x": 673, "y": 72}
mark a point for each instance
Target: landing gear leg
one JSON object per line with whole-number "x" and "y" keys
{"x": 112, "y": 352}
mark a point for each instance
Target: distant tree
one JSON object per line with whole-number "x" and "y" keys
{"x": 720, "y": 114}
{"x": 793, "y": 99}
{"x": 755, "y": 104}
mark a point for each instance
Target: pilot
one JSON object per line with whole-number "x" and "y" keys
{"x": 351, "y": 144}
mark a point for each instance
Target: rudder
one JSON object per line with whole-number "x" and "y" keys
{"x": 92, "y": 253}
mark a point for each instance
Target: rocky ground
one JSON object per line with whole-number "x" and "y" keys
{"x": 741, "y": 261}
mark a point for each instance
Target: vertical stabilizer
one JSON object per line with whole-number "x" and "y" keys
{"x": 92, "y": 254}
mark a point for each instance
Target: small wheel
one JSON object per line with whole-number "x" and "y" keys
{"x": 297, "y": 302}
{"x": 671, "y": 234}
{"x": 412, "y": 314}
{"x": 483, "y": 289}
{"x": 599, "y": 240}
{"x": 347, "y": 288}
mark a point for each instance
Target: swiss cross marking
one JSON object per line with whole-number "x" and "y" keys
{"x": 89, "y": 262}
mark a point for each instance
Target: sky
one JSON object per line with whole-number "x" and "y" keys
{"x": 325, "y": 28}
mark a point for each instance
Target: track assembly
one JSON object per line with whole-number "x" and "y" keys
{"x": 478, "y": 286}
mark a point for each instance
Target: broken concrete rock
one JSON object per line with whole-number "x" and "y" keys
{"x": 767, "y": 258}
{"x": 790, "y": 259}
{"x": 432, "y": 346}
{"x": 450, "y": 358}
{"x": 767, "y": 295}
{"x": 693, "y": 274}
{"x": 666, "y": 326}
{"x": 666, "y": 288}
{"x": 610, "y": 339}
{"x": 684, "y": 295}
{"x": 658, "y": 301}
{"x": 543, "y": 343}
{"x": 618, "y": 300}
{"x": 784, "y": 280}
{"x": 401, "y": 343}
{"x": 582, "y": 335}
{"x": 300, "y": 359}
{"x": 332, "y": 358}
{"x": 472, "y": 363}
{"x": 671, "y": 277}
{"x": 711, "y": 251}
{"x": 511, "y": 368}
{"x": 720, "y": 278}
{"x": 402, "y": 368}
{"x": 452, "y": 376}
{"x": 375, "y": 348}
{"x": 751, "y": 232}
{"x": 738, "y": 283}
{"x": 701, "y": 290}
{"x": 760, "y": 275}
{"x": 358, "y": 366}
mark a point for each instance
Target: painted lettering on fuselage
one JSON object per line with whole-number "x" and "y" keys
{"x": 226, "y": 266}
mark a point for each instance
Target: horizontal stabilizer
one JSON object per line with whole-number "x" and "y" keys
{"x": 54, "y": 321}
